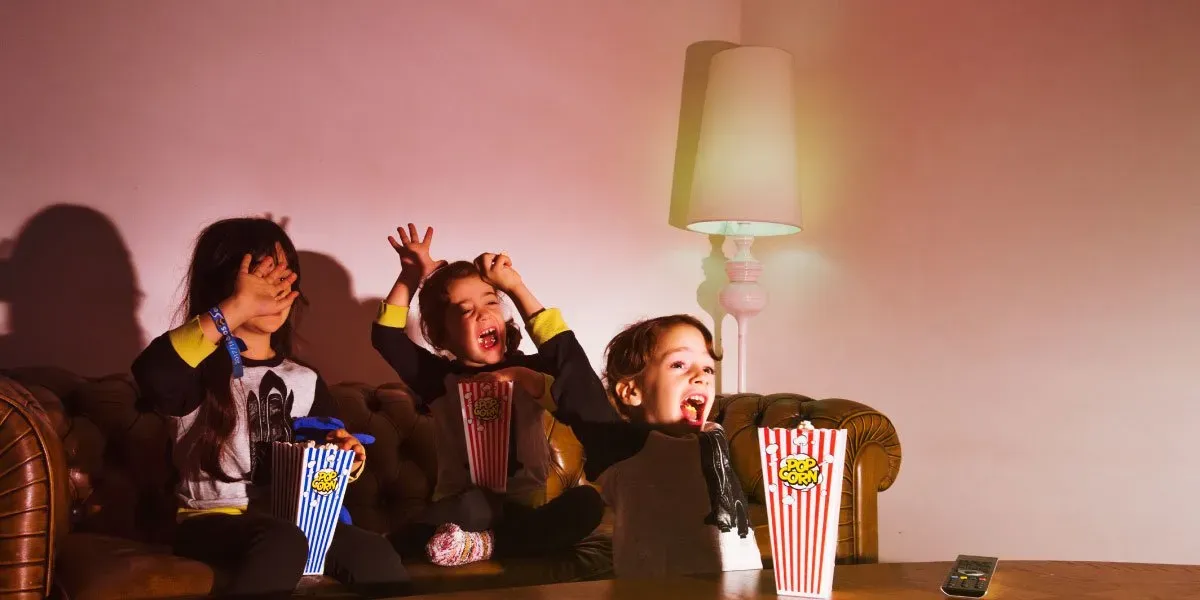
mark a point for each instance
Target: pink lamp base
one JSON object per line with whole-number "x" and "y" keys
{"x": 742, "y": 297}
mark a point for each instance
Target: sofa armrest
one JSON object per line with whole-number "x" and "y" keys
{"x": 872, "y": 456}
{"x": 34, "y": 499}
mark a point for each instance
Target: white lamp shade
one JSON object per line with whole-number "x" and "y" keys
{"x": 745, "y": 180}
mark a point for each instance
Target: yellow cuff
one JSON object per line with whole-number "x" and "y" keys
{"x": 187, "y": 513}
{"x": 190, "y": 344}
{"x": 391, "y": 315}
{"x": 546, "y": 325}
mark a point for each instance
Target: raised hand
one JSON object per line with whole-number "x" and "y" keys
{"x": 265, "y": 289}
{"x": 282, "y": 222}
{"x": 415, "y": 261}
{"x": 497, "y": 270}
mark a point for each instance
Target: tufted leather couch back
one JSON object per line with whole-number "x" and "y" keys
{"x": 872, "y": 457}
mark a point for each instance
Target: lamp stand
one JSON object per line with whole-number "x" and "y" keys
{"x": 742, "y": 297}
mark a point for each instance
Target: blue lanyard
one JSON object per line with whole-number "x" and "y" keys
{"x": 231, "y": 344}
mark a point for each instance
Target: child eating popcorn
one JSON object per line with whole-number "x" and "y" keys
{"x": 665, "y": 470}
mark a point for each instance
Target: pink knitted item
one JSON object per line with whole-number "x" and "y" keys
{"x": 450, "y": 546}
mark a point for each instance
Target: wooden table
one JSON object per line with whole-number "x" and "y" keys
{"x": 1042, "y": 580}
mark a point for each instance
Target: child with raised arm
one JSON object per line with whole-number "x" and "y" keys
{"x": 229, "y": 386}
{"x": 462, "y": 316}
{"x": 679, "y": 508}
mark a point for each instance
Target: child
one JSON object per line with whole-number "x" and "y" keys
{"x": 678, "y": 505}
{"x": 229, "y": 386}
{"x": 461, "y": 315}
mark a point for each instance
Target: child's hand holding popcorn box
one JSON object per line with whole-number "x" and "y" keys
{"x": 308, "y": 485}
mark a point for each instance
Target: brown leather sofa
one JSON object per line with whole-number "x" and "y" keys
{"x": 86, "y": 506}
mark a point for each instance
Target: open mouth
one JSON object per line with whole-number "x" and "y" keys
{"x": 489, "y": 338}
{"x": 693, "y": 409}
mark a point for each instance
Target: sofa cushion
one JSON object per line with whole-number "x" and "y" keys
{"x": 99, "y": 566}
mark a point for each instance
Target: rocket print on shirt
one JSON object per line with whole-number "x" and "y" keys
{"x": 268, "y": 418}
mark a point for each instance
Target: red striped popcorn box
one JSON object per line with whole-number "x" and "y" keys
{"x": 802, "y": 477}
{"x": 487, "y": 412}
{"x": 308, "y": 485}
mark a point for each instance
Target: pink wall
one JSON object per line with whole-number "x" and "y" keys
{"x": 542, "y": 130}
{"x": 1000, "y": 204}
{"x": 1005, "y": 203}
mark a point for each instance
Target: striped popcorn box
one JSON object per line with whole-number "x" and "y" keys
{"x": 308, "y": 485}
{"x": 802, "y": 480}
{"x": 487, "y": 412}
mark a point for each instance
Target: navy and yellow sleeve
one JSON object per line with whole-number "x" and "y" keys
{"x": 421, "y": 370}
{"x": 167, "y": 370}
{"x": 578, "y": 396}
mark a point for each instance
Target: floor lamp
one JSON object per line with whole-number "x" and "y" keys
{"x": 745, "y": 183}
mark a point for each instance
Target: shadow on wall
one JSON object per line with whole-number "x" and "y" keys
{"x": 334, "y": 331}
{"x": 691, "y": 112}
{"x": 72, "y": 294}
{"x": 696, "y": 66}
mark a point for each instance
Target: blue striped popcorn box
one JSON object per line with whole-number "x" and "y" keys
{"x": 308, "y": 484}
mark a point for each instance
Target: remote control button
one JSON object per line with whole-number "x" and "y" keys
{"x": 971, "y": 573}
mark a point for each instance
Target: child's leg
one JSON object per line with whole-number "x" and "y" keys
{"x": 264, "y": 556}
{"x": 473, "y": 510}
{"x": 365, "y": 562}
{"x": 555, "y": 526}
{"x": 410, "y": 540}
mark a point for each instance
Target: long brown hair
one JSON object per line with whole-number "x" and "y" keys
{"x": 434, "y": 300}
{"x": 630, "y": 352}
{"x": 210, "y": 280}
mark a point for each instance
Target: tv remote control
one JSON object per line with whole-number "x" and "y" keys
{"x": 970, "y": 576}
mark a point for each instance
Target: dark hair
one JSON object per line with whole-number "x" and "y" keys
{"x": 210, "y": 280}
{"x": 630, "y": 352}
{"x": 434, "y": 299}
